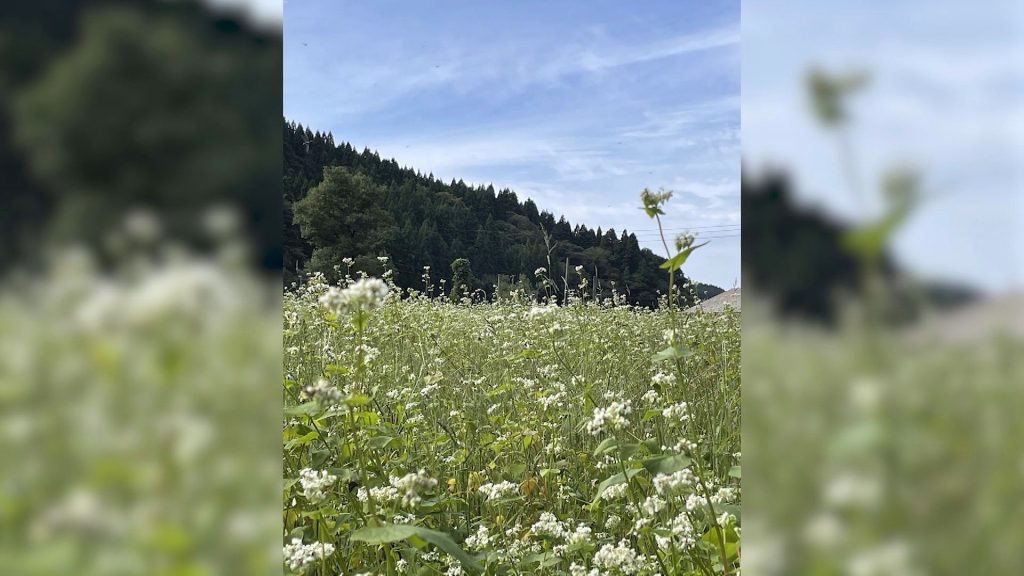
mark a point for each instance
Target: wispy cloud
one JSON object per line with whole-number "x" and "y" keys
{"x": 578, "y": 110}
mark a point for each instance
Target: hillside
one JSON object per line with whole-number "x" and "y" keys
{"x": 370, "y": 207}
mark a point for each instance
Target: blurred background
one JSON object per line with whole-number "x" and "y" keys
{"x": 140, "y": 167}
{"x": 883, "y": 313}
{"x": 140, "y": 170}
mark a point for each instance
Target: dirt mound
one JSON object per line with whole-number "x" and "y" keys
{"x": 729, "y": 298}
{"x": 976, "y": 322}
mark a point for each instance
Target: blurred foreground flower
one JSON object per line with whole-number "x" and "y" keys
{"x": 138, "y": 432}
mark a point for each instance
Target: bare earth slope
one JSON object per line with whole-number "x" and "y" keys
{"x": 719, "y": 303}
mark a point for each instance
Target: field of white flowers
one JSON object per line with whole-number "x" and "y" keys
{"x": 426, "y": 437}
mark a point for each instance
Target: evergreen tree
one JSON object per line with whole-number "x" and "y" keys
{"x": 346, "y": 204}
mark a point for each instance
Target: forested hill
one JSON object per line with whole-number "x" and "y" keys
{"x": 343, "y": 203}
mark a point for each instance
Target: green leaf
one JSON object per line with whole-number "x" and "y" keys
{"x": 357, "y": 400}
{"x": 729, "y": 537}
{"x": 379, "y": 442}
{"x": 616, "y": 479}
{"x": 545, "y": 472}
{"x": 666, "y": 464}
{"x": 302, "y": 440}
{"x": 627, "y": 450}
{"x": 606, "y": 445}
{"x": 396, "y": 532}
{"x": 670, "y": 353}
{"x": 307, "y": 409}
{"x": 675, "y": 262}
{"x": 735, "y": 471}
{"x": 336, "y": 369}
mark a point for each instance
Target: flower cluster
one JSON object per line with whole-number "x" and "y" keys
{"x": 677, "y": 412}
{"x": 411, "y": 485}
{"x": 499, "y": 490}
{"x": 611, "y": 418}
{"x": 323, "y": 391}
{"x": 315, "y": 483}
{"x": 548, "y": 525}
{"x": 620, "y": 557}
{"x": 298, "y": 556}
{"x": 480, "y": 539}
{"x": 378, "y": 493}
{"x": 362, "y": 295}
{"x": 673, "y": 483}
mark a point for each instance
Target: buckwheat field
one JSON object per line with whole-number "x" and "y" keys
{"x": 423, "y": 436}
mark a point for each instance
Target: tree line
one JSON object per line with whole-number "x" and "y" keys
{"x": 342, "y": 203}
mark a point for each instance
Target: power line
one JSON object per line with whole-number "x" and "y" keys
{"x": 683, "y": 228}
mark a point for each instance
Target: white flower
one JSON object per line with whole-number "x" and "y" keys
{"x": 664, "y": 379}
{"x": 297, "y": 556}
{"x": 614, "y": 492}
{"x": 539, "y": 271}
{"x": 652, "y": 505}
{"x": 536, "y": 311}
{"x": 580, "y": 536}
{"x": 479, "y": 540}
{"x": 362, "y": 295}
{"x": 620, "y": 557}
{"x": 725, "y": 518}
{"x": 651, "y": 397}
{"x": 410, "y": 486}
{"x": 315, "y": 483}
{"x": 499, "y": 490}
{"x": 671, "y": 483}
{"x": 683, "y": 530}
{"x": 378, "y": 493}
{"x": 548, "y": 525}
{"x": 323, "y": 391}
{"x": 612, "y": 418}
{"x": 677, "y": 412}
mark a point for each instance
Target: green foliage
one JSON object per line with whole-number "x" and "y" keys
{"x": 342, "y": 217}
{"x": 150, "y": 107}
{"x": 869, "y": 241}
{"x": 395, "y": 533}
{"x": 461, "y": 279}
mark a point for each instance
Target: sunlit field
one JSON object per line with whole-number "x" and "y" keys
{"x": 428, "y": 437}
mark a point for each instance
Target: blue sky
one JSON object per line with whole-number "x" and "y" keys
{"x": 578, "y": 105}
{"x": 946, "y": 97}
